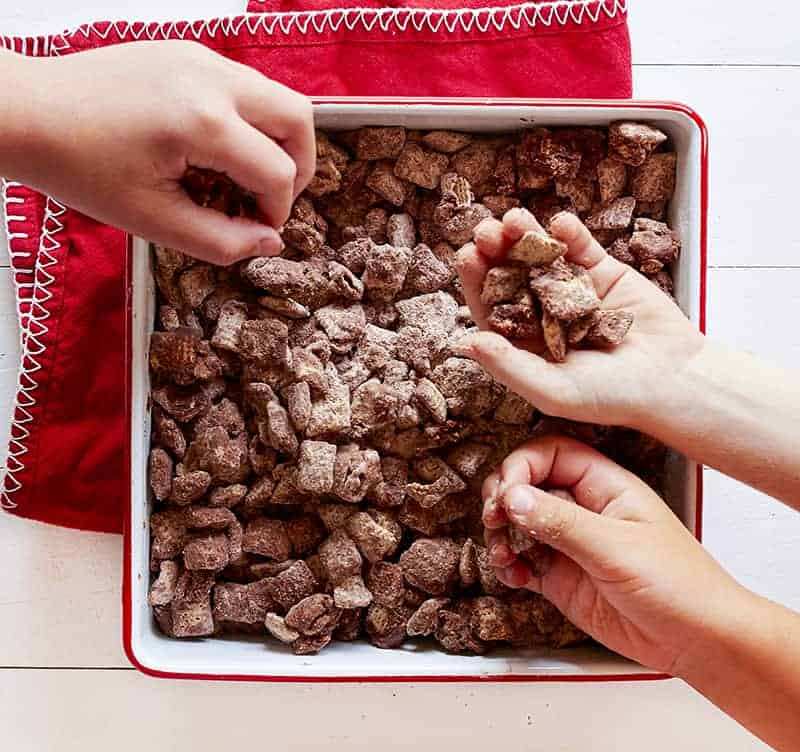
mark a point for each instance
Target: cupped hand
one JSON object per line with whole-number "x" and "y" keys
{"x": 625, "y": 569}
{"x": 613, "y": 387}
{"x": 121, "y": 125}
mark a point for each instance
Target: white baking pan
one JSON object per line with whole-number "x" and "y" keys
{"x": 259, "y": 659}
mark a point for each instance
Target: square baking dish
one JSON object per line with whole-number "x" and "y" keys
{"x": 238, "y": 658}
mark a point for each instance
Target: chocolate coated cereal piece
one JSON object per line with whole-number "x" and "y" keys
{"x": 565, "y": 292}
{"x": 631, "y": 143}
{"x": 446, "y": 142}
{"x": 160, "y": 471}
{"x": 554, "y": 337}
{"x": 376, "y": 534}
{"x": 379, "y": 143}
{"x": 385, "y": 272}
{"x": 536, "y": 249}
{"x": 162, "y": 591}
{"x": 476, "y": 162}
{"x": 608, "y": 328}
{"x": 491, "y": 620}
{"x": 431, "y": 564}
{"x": 425, "y": 620}
{"x": 502, "y": 283}
{"x": 386, "y": 184}
{"x": 616, "y": 216}
{"x": 426, "y": 272}
{"x": 386, "y": 627}
{"x": 653, "y": 244}
{"x": 339, "y": 556}
{"x": 420, "y": 166}
{"x": 276, "y": 626}
{"x": 314, "y": 615}
{"x": 355, "y": 471}
{"x": 352, "y": 593}
{"x": 349, "y": 627}
{"x": 654, "y": 180}
{"x": 315, "y": 467}
{"x": 385, "y": 582}
{"x": 612, "y": 177}
{"x": 267, "y": 537}
{"x": 400, "y": 231}
{"x": 292, "y": 585}
{"x": 519, "y": 320}
{"x": 189, "y": 487}
{"x": 454, "y": 630}
{"x": 468, "y": 570}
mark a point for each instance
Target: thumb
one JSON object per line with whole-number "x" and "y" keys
{"x": 523, "y": 372}
{"x": 589, "y": 539}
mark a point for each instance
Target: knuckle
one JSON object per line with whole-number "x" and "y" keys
{"x": 285, "y": 171}
{"x": 207, "y": 121}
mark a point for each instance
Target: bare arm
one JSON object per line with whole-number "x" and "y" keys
{"x": 736, "y": 414}
{"x": 628, "y": 573}
{"x": 749, "y": 667}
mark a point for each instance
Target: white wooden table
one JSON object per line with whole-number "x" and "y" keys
{"x": 64, "y": 681}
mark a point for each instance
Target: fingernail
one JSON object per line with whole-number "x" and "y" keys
{"x": 519, "y": 501}
{"x": 491, "y": 496}
{"x": 270, "y": 245}
{"x": 500, "y": 555}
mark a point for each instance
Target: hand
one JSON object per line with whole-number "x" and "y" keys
{"x": 625, "y": 570}
{"x": 614, "y": 387}
{"x": 112, "y": 131}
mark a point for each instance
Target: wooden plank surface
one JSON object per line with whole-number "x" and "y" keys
{"x": 60, "y": 591}
{"x": 75, "y": 711}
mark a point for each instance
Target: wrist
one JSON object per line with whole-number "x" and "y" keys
{"x": 733, "y": 617}
{"x": 677, "y": 394}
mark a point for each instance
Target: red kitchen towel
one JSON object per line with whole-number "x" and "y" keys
{"x": 66, "y": 452}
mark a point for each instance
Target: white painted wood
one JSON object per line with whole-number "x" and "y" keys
{"x": 59, "y": 590}
{"x": 79, "y": 711}
{"x": 4, "y": 259}
{"x": 752, "y": 167}
{"x": 710, "y": 31}
{"x": 9, "y": 356}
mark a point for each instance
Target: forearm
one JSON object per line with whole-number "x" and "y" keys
{"x": 27, "y": 130}
{"x": 749, "y": 667}
{"x": 734, "y": 413}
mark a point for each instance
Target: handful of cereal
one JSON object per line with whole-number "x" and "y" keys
{"x": 319, "y": 446}
{"x": 541, "y": 295}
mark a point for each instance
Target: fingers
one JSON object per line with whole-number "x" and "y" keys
{"x": 174, "y": 220}
{"x": 285, "y": 116}
{"x": 259, "y": 165}
{"x": 560, "y": 462}
{"x": 588, "y": 538}
{"x": 516, "y": 222}
{"x": 494, "y": 516}
{"x": 472, "y": 268}
{"x": 493, "y": 237}
{"x": 585, "y": 251}
{"x": 530, "y": 376}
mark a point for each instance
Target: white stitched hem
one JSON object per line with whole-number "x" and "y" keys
{"x": 482, "y": 20}
{"x": 32, "y": 350}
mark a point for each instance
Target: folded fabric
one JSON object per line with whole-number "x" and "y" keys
{"x": 66, "y": 452}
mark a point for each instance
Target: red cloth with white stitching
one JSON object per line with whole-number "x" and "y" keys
{"x": 66, "y": 460}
